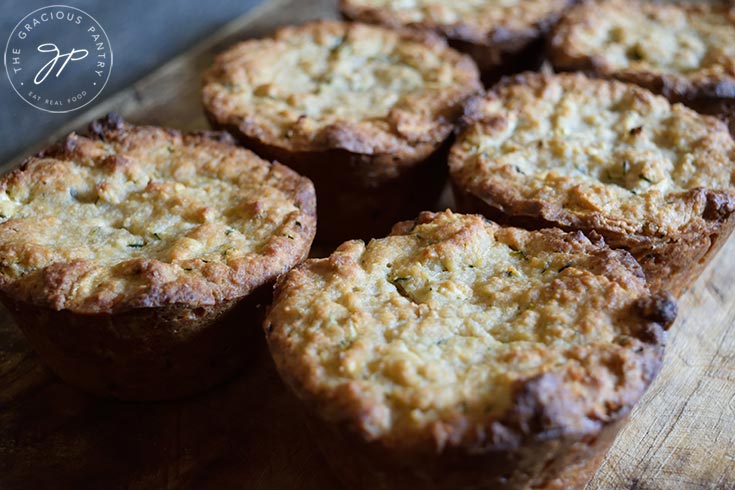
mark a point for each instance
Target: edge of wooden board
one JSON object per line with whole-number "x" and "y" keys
{"x": 126, "y": 98}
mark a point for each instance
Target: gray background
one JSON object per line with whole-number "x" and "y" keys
{"x": 143, "y": 35}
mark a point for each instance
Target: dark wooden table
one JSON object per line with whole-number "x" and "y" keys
{"x": 249, "y": 433}
{"x": 143, "y": 35}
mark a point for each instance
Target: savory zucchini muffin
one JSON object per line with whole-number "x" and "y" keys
{"x": 456, "y": 353}
{"x": 601, "y": 156}
{"x": 134, "y": 258}
{"x": 363, "y": 111}
{"x": 684, "y": 51}
{"x": 503, "y": 37}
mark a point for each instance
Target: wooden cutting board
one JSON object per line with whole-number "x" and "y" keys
{"x": 249, "y": 433}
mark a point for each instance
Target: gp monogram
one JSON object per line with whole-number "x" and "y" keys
{"x": 58, "y": 58}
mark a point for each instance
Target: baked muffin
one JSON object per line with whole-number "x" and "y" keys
{"x": 601, "y": 156}
{"x": 456, "y": 353}
{"x": 684, "y": 51}
{"x": 502, "y": 37}
{"x": 365, "y": 112}
{"x": 134, "y": 258}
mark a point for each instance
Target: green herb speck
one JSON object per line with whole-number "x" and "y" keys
{"x": 399, "y": 279}
{"x": 635, "y": 53}
{"x": 519, "y": 254}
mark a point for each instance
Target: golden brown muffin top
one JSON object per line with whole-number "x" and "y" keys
{"x": 594, "y": 154}
{"x": 334, "y": 85}
{"x": 482, "y": 21}
{"x": 680, "y": 50}
{"x": 450, "y": 329}
{"x": 140, "y": 216}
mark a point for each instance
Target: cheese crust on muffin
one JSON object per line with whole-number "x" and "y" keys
{"x": 502, "y": 37}
{"x": 135, "y": 259}
{"x": 333, "y": 85}
{"x": 475, "y": 20}
{"x": 365, "y": 112}
{"x": 603, "y": 156}
{"x": 133, "y": 217}
{"x": 683, "y": 51}
{"x": 437, "y": 339}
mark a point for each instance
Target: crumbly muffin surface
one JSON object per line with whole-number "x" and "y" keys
{"x": 480, "y": 18}
{"x": 337, "y": 85}
{"x": 688, "y": 44}
{"x": 612, "y": 155}
{"x": 142, "y": 216}
{"x": 429, "y": 333}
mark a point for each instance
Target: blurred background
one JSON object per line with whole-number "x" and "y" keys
{"x": 143, "y": 34}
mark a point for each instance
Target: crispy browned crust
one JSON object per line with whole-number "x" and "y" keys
{"x": 543, "y": 461}
{"x": 408, "y": 132}
{"x": 671, "y": 266}
{"x": 671, "y": 263}
{"x": 161, "y": 338}
{"x": 198, "y": 283}
{"x": 709, "y": 93}
{"x": 721, "y": 107}
{"x": 546, "y": 440}
{"x": 498, "y": 50}
{"x": 365, "y": 181}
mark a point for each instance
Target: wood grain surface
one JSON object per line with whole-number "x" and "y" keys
{"x": 249, "y": 433}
